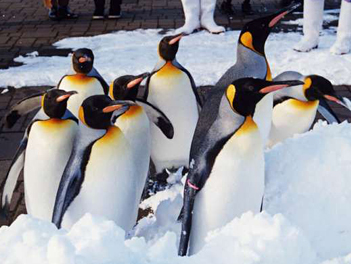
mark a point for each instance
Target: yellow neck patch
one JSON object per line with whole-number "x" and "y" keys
{"x": 248, "y": 126}
{"x": 297, "y": 104}
{"x": 269, "y": 73}
{"x": 246, "y": 40}
{"x": 133, "y": 111}
{"x": 308, "y": 83}
{"x": 168, "y": 70}
{"x": 111, "y": 91}
{"x": 230, "y": 93}
{"x": 81, "y": 115}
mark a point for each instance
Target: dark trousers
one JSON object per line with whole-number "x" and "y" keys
{"x": 60, "y": 3}
{"x": 115, "y": 7}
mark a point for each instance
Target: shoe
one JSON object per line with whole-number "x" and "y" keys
{"x": 98, "y": 17}
{"x": 53, "y": 15}
{"x": 246, "y": 8}
{"x": 115, "y": 16}
{"x": 64, "y": 12}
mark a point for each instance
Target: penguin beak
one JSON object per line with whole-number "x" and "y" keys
{"x": 65, "y": 96}
{"x": 339, "y": 100}
{"x": 279, "y": 85}
{"x": 175, "y": 40}
{"x": 84, "y": 59}
{"x": 137, "y": 80}
{"x": 281, "y": 14}
{"x": 111, "y": 108}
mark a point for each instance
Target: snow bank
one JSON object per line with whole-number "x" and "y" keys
{"x": 306, "y": 218}
{"x": 206, "y": 56}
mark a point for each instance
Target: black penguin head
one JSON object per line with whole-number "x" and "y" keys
{"x": 54, "y": 102}
{"x": 168, "y": 47}
{"x": 100, "y": 111}
{"x": 83, "y": 60}
{"x": 126, "y": 87}
{"x": 317, "y": 87}
{"x": 255, "y": 33}
{"x": 243, "y": 94}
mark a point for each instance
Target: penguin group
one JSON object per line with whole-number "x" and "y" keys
{"x": 90, "y": 146}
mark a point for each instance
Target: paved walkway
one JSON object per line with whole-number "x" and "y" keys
{"x": 25, "y": 27}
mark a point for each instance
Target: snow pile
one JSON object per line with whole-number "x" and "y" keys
{"x": 206, "y": 56}
{"x": 306, "y": 218}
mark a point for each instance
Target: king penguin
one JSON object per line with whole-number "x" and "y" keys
{"x": 251, "y": 61}
{"x": 295, "y": 108}
{"x": 226, "y": 171}
{"x": 100, "y": 176}
{"x": 135, "y": 125}
{"x": 172, "y": 89}
{"x": 86, "y": 80}
{"x": 43, "y": 154}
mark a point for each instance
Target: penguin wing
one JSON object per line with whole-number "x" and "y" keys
{"x": 201, "y": 162}
{"x": 94, "y": 73}
{"x": 193, "y": 85}
{"x": 158, "y": 118}
{"x": 325, "y": 110}
{"x": 21, "y": 108}
{"x": 71, "y": 181}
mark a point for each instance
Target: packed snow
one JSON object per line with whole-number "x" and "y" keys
{"x": 206, "y": 56}
{"x": 306, "y": 218}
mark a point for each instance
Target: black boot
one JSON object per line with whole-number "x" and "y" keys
{"x": 65, "y": 12}
{"x": 53, "y": 14}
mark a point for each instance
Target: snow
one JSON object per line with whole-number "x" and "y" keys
{"x": 206, "y": 56}
{"x": 306, "y": 218}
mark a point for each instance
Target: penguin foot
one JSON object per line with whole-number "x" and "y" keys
{"x": 341, "y": 46}
{"x": 306, "y": 45}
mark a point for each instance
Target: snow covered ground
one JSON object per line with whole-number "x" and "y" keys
{"x": 306, "y": 218}
{"x": 205, "y": 55}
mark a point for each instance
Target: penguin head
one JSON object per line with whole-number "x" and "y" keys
{"x": 243, "y": 94}
{"x": 255, "y": 33}
{"x": 83, "y": 60}
{"x": 126, "y": 87}
{"x": 317, "y": 87}
{"x": 100, "y": 111}
{"x": 168, "y": 47}
{"x": 54, "y": 102}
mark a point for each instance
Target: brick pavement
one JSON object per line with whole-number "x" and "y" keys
{"x": 25, "y": 27}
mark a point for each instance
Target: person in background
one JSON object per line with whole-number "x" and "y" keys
{"x": 58, "y": 9}
{"x": 227, "y": 7}
{"x": 312, "y": 24}
{"x": 115, "y": 9}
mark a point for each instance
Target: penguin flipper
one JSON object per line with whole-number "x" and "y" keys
{"x": 145, "y": 94}
{"x": 71, "y": 182}
{"x": 21, "y": 108}
{"x": 325, "y": 110}
{"x": 158, "y": 118}
{"x": 11, "y": 178}
{"x": 193, "y": 85}
{"x": 94, "y": 73}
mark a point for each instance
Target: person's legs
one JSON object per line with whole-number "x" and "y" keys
{"x": 312, "y": 24}
{"x": 227, "y": 7}
{"x": 246, "y": 7}
{"x": 342, "y": 44}
{"x": 207, "y": 16}
{"x": 115, "y": 8}
{"x": 99, "y": 8}
{"x": 191, "y": 10}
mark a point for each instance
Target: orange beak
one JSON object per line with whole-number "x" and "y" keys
{"x": 277, "y": 18}
{"x": 84, "y": 59}
{"x": 273, "y": 88}
{"x": 111, "y": 108}
{"x": 333, "y": 99}
{"x": 134, "y": 82}
{"x": 65, "y": 96}
{"x": 175, "y": 40}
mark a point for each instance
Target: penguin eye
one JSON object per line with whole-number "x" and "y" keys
{"x": 250, "y": 88}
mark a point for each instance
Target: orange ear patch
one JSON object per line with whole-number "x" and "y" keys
{"x": 246, "y": 40}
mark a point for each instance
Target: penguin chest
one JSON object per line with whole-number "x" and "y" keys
{"x": 235, "y": 185}
{"x": 109, "y": 183}
{"x": 263, "y": 116}
{"x": 85, "y": 86}
{"x": 291, "y": 117}
{"x": 170, "y": 90}
{"x": 49, "y": 147}
{"x": 136, "y": 128}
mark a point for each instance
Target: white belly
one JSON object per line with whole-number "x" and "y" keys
{"x": 109, "y": 185}
{"x": 136, "y": 128}
{"x": 263, "y": 116}
{"x": 291, "y": 117}
{"x": 48, "y": 150}
{"x": 84, "y": 85}
{"x": 235, "y": 186}
{"x": 174, "y": 96}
